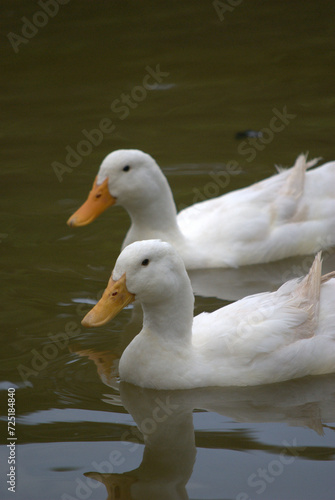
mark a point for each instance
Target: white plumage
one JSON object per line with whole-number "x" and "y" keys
{"x": 291, "y": 213}
{"x": 263, "y": 338}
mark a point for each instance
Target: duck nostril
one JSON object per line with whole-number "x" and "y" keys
{"x": 114, "y": 294}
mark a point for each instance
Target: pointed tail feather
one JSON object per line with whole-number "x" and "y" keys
{"x": 294, "y": 185}
{"x": 301, "y": 162}
{"x": 309, "y": 292}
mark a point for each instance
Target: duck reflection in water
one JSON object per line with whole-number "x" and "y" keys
{"x": 165, "y": 419}
{"x": 235, "y": 283}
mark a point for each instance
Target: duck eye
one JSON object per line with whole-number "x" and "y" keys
{"x": 145, "y": 262}
{"x": 126, "y": 168}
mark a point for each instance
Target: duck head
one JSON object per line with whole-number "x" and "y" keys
{"x": 151, "y": 272}
{"x": 126, "y": 177}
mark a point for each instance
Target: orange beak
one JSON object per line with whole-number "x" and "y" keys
{"x": 97, "y": 201}
{"x": 114, "y": 299}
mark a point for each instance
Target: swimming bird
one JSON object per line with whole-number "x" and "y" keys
{"x": 264, "y": 338}
{"x": 291, "y": 213}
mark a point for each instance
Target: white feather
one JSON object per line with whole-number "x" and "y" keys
{"x": 291, "y": 213}
{"x": 264, "y": 338}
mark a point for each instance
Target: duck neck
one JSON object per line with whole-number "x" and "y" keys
{"x": 155, "y": 214}
{"x": 172, "y": 318}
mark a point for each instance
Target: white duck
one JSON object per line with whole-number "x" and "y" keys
{"x": 291, "y": 213}
{"x": 263, "y": 338}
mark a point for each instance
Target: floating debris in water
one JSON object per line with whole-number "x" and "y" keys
{"x": 245, "y": 134}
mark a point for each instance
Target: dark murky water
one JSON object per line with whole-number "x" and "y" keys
{"x": 206, "y": 79}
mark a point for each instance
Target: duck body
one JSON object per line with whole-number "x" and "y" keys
{"x": 227, "y": 350}
{"x": 291, "y": 213}
{"x": 261, "y": 339}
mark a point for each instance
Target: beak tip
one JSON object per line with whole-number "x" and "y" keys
{"x": 71, "y": 222}
{"x": 91, "y": 319}
{"x": 85, "y": 322}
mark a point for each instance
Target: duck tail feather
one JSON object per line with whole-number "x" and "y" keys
{"x": 300, "y": 162}
{"x": 295, "y": 182}
{"x": 308, "y": 292}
